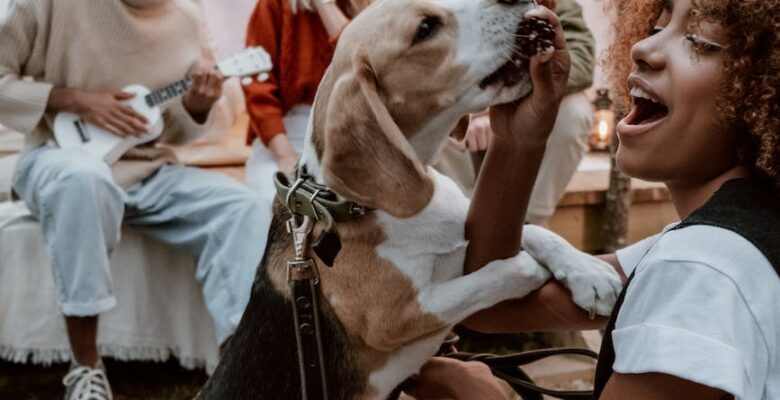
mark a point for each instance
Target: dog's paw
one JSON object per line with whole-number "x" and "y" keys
{"x": 517, "y": 276}
{"x": 595, "y": 285}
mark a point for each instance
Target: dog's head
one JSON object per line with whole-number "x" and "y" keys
{"x": 403, "y": 74}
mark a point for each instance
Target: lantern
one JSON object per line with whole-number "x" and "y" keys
{"x": 603, "y": 122}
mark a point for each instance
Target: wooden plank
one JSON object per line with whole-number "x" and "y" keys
{"x": 581, "y": 224}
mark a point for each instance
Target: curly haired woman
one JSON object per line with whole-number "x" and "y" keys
{"x": 698, "y": 317}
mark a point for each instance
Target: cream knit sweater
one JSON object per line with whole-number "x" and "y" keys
{"x": 99, "y": 45}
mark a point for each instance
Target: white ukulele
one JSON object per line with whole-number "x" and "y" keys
{"x": 72, "y": 132}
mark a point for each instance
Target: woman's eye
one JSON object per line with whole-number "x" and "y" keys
{"x": 426, "y": 29}
{"x": 702, "y": 45}
{"x": 656, "y": 29}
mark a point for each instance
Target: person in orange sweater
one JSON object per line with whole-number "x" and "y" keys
{"x": 300, "y": 36}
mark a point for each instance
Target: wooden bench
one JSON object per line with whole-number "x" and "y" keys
{"x": 580, "y": 214}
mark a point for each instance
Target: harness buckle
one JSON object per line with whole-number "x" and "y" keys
{"x": 300, "y": 234}
{"x": 301, "y": 267}
{"x": 300, "y": 270}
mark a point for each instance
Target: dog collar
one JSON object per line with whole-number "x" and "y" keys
{"x": 304, "y": 197}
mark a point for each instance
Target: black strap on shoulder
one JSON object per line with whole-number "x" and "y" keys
{"x": 607, "y": 352}
{"x": 748, "y": 207}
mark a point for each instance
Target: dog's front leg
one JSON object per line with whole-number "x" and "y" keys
{"x": 454, "y": 300}
{"x": 594, "y": 284}
{"x": 442, "y": 304}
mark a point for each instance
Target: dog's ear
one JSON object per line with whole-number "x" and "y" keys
{"x": 366, "y": 157}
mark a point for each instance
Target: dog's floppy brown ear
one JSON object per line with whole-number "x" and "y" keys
{"x": 366, "y": 157}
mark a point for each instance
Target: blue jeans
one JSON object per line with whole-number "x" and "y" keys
{"x": 81, "y": 210}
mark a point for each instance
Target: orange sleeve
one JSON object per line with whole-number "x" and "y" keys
{"x": 263, "y": 99}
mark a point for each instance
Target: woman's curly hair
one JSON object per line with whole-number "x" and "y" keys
{"x": 751, "y": 68}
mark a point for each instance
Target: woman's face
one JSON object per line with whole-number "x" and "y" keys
{"x": 673, "y": 133}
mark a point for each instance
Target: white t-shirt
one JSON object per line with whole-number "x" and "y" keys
{"x": 704, "y": 305}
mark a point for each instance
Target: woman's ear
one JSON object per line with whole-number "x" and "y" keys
{"x": 366, "y": 157}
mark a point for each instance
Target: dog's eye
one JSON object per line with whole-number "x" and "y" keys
{"x": 426, "y": 29}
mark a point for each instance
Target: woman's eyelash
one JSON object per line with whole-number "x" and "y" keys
{"x": 703, "y": 44}
{"x": 655, "y": 30}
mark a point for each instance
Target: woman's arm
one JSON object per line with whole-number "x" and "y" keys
{"x": 653, "y": 386}
{"x": 520, "y": 129}
{"x": 494, "y": 222}
{"x": 332, "y": 17}
{"x": 263, "y": 101}
{"x": 22, "y": 102}
{"x": 550, "y": 308}
{"x": 501, "y": 198}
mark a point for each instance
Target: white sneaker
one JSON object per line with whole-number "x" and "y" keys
{"x": 83, "y": 383}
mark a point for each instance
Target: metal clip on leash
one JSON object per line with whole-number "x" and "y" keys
{"x": 303, "y": 278}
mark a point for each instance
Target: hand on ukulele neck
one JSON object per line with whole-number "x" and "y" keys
{"x": 206, "y": 89}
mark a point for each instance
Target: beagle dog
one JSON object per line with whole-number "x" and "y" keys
{"x": 403, "y": 74}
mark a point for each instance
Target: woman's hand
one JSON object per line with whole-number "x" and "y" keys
{"x": 447, "y": 378}
{"x": 102, "y": 109}
{"x": 478, "y": 135}
{"x": 551, "y": 4}
{"x": 205, "y": 91}
{"x": 302, "y": 5}
{"x": 284, "y": 153}
{"x": 333, "y": 18}
{"x": 530, "y": 120}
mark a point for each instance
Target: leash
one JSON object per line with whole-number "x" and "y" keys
{"x": 508, "y": 368}
{"x": 303, "y": 278}
{"x": 310, "y": 203}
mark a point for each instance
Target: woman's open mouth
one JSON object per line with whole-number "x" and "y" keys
{"x": 646, "y": 109}
{"x": 646, "y": 113}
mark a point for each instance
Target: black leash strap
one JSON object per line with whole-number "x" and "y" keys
{"x": 507, "y": 367}
{"x": 303, "y": 278}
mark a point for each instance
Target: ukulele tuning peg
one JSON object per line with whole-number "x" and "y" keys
{"x": 246, "y": 81}
{"x": 262, "y": 77}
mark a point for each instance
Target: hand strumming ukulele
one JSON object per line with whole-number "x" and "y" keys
{"x": 72, "y": 132}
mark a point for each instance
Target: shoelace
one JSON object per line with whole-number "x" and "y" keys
{"x": 90, "y": 384}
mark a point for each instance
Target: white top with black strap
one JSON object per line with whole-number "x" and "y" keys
{"x": 703, "y": 306}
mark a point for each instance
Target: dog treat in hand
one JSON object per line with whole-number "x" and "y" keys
{"x": 535, "y": 35}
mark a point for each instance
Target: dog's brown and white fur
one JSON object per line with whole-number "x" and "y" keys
{"x": 383, "y": 110}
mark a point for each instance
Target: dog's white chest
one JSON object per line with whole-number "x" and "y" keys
{"x": 414, "y": 245}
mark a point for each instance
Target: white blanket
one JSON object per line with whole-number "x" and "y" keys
{"x": 160, "y": 312}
